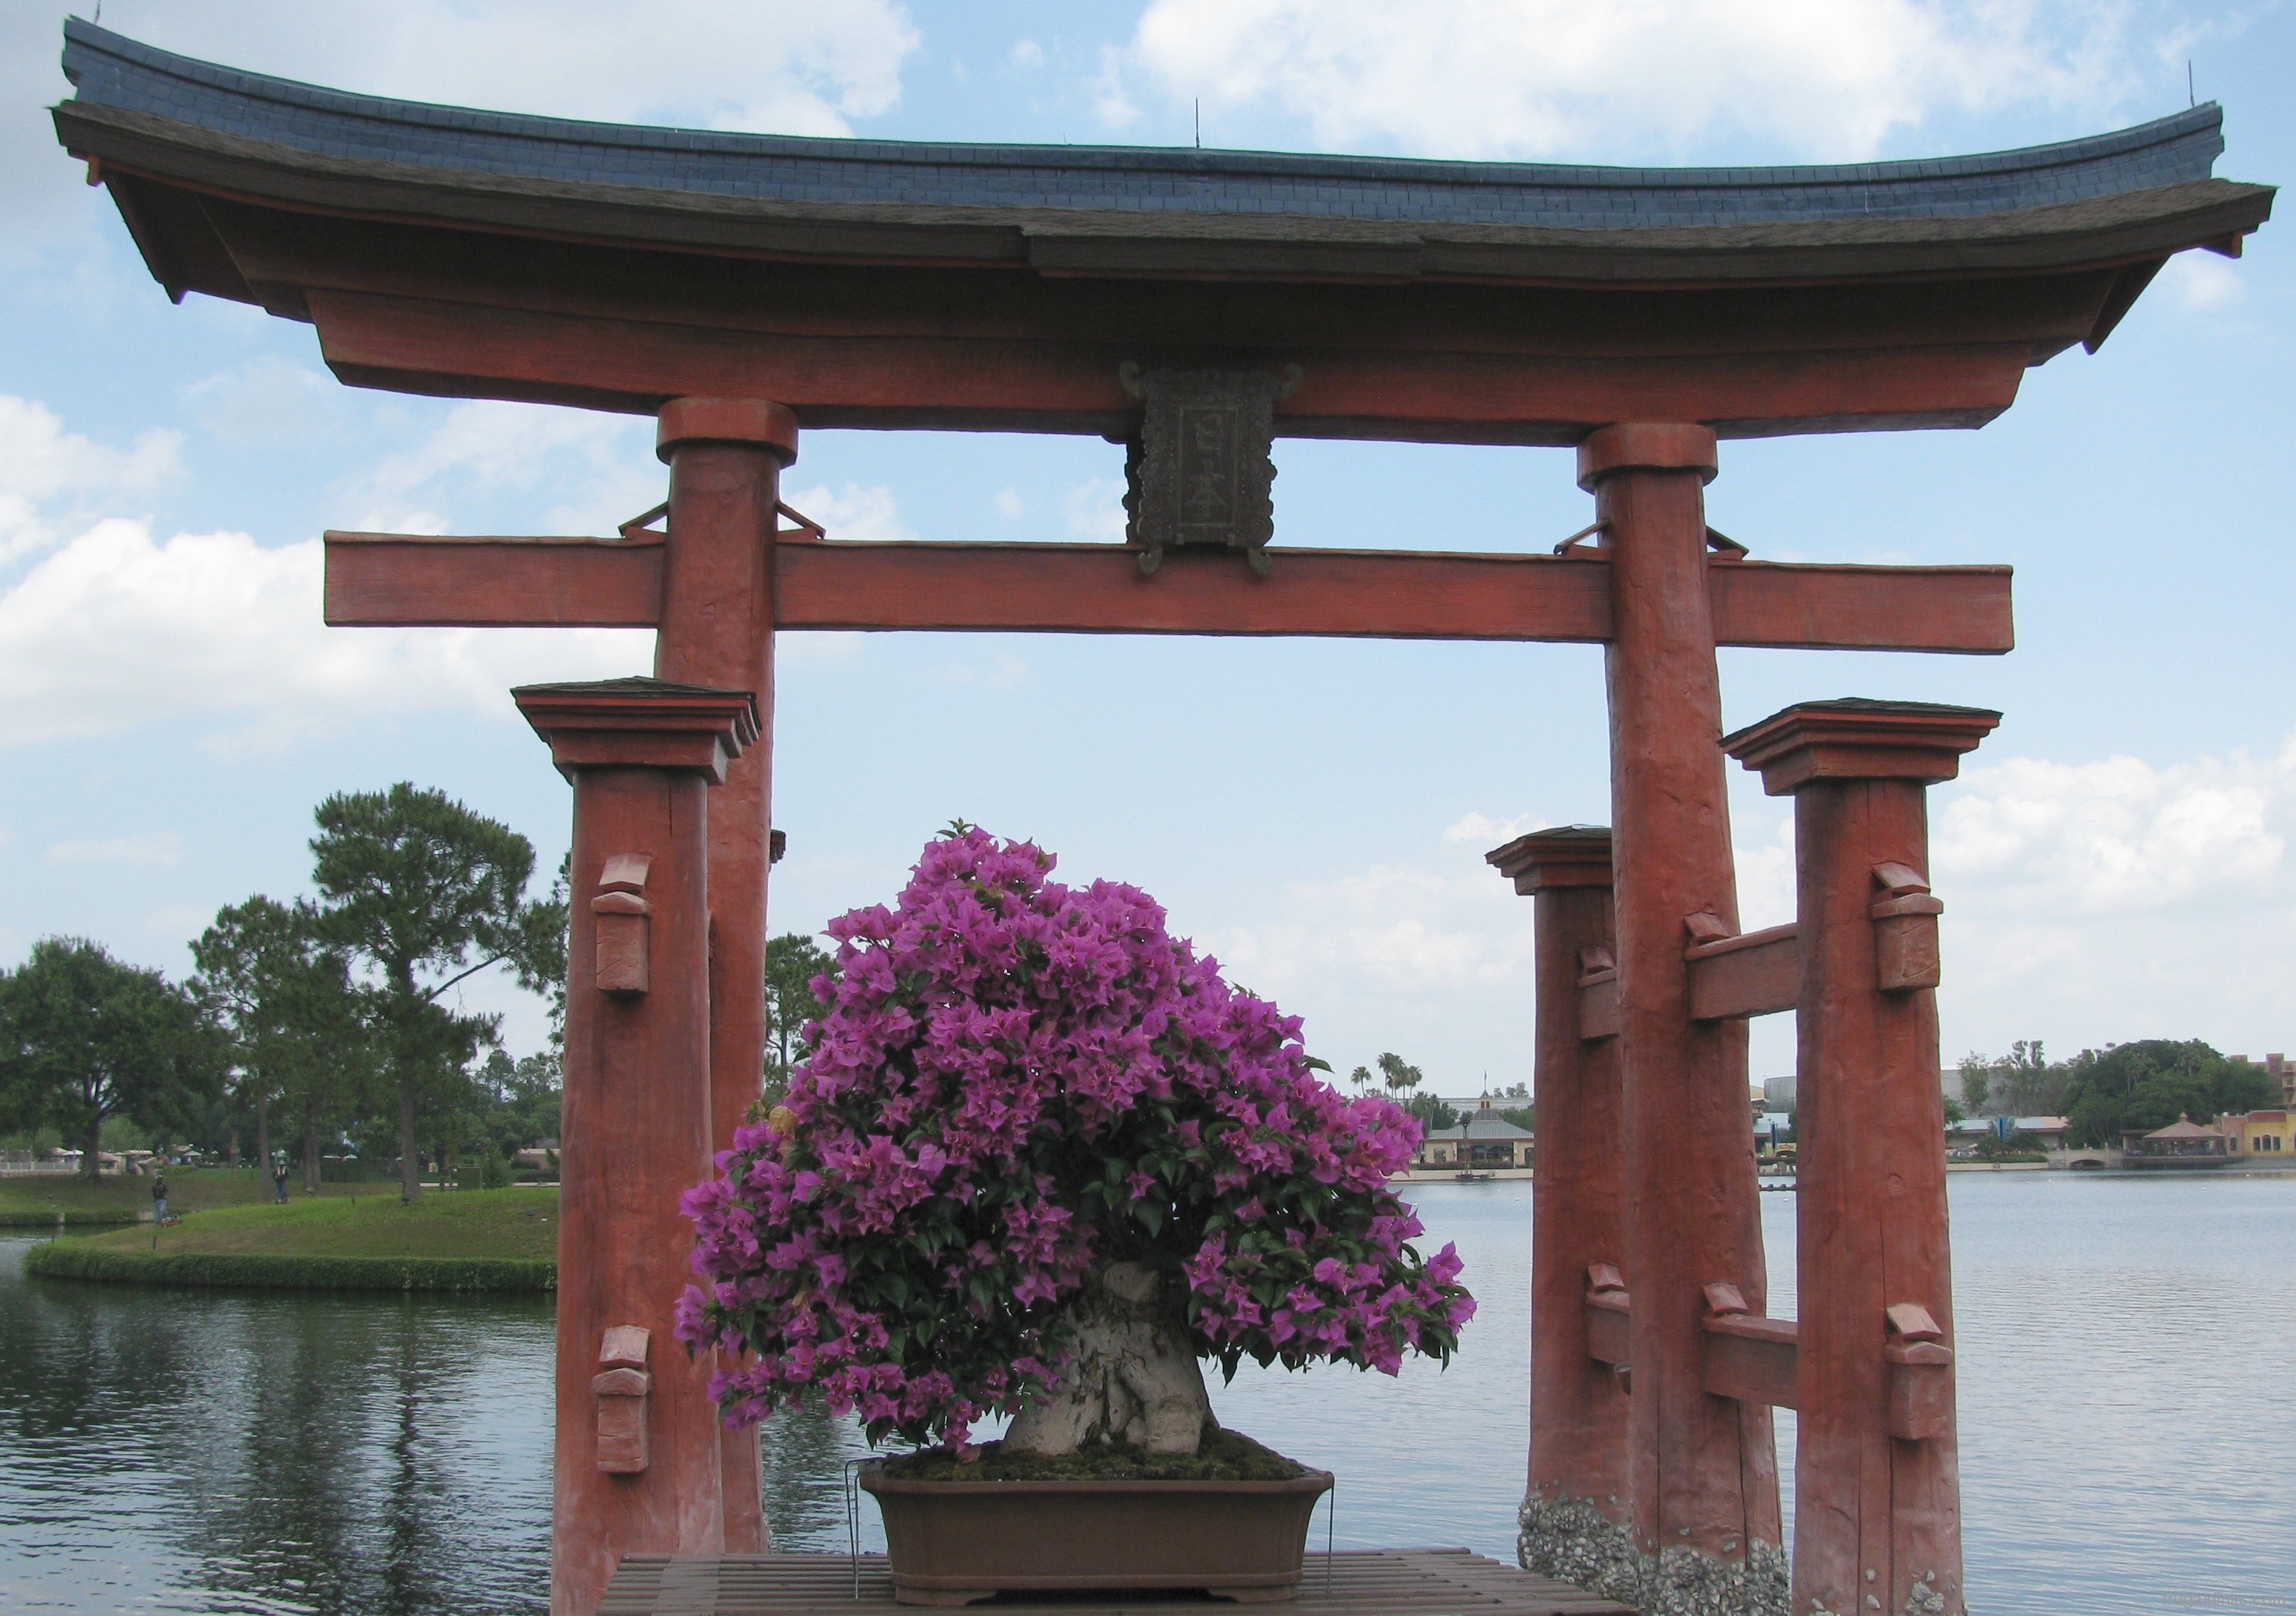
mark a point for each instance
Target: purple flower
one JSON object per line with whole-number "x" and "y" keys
{"x": 1011, "y": 1079}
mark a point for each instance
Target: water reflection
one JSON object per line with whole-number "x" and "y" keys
{"x": 187, "y": 1450}
{"x": 2123, "y": 1345}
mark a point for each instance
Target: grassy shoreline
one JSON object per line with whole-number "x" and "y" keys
{"x": 76, "y": 1260}
{"x": 462, "y": 1240}
{"x": 38, "y": 1199}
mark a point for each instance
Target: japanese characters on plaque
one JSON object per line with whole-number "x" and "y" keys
{"x": 1200, "y": 471}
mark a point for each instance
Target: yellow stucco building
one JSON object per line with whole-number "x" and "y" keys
{"x": 2270, "y": 1134}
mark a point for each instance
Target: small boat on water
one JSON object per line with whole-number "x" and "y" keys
{"x": 1475, "y": 1178}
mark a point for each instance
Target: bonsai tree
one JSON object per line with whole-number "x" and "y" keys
{"x": 1040, "y": 1159}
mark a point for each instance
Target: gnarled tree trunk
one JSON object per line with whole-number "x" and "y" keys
{"x": 1133, "y": 1376}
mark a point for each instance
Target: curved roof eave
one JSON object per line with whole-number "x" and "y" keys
{"x": 1127, "y": 212}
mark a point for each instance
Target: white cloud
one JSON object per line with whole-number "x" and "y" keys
{"x": 1410, "y": 954}
{"x": 42, "y": 465}
{"x": 1473, "y": 78}
{"x": 1767, "y": 879}
{"x": 1094, "y": 510}
{"x": 178, "y": 922}
{"x": 148, "y": 847}
{"x": 1391, "y": 927}
{"x": 1010, "y": 506}
{"x": 2085, "y": 902}
{"x": 2117, "y": 836}
{"x": 1028, "y": 53}
{"x": 2202, "y": 280}
{"x": 1110, "y": 100}
{"x": 2117, "y": 898}
{"x": 999, "y": 670}
{"x": 113, "y": 630}
{"x": 798, "y": 66}
{"x": 267, "y": 400}
{"x": 852, "y": 512}
{"x": 599, "y": 470}
{"x": 1485, "y": 833}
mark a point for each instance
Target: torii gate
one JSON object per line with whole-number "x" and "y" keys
{"x": 1191, "y": 304}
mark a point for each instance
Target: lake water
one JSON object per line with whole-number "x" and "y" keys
{"x": 2126, "y": 1421}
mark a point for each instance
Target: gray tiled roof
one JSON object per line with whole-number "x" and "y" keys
{"x": 109, "y": 70}
{"x": 1480, "y": 1125}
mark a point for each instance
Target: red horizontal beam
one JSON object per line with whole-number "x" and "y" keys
{"x": 1753, "y": 1359}
{"x": 1099, "y": 589}
{"x": 417, "y": 581}
{"x": 1025, "y": 383}
{"x": 1756, "y": 973}
{"x": 376, "y": 578}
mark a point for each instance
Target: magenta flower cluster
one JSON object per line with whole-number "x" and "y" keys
{"x": 1015, "y": 1081}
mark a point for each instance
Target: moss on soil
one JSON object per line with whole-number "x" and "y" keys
{"x": 1223, "y": 1455}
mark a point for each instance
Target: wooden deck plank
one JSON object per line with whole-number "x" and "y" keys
{"x": 1358, "y": 1582}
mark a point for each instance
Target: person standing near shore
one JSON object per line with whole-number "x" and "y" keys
{"x": 279, "y": 1183}
{"x": 160, "y": 1196}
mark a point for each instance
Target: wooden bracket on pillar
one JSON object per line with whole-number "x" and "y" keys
{"x": 1598, "y": 995}
{"x": 1609, "y": 1315}
{"x": 1920, "y": 1374}
{"x": 1748, "y": 1357}
{"x": 624, "y": 1387}
{"x": 624, "y": 924}
{"x": 1905, "y": 930}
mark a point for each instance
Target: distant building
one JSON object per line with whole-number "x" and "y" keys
{"x": 1962, "y": 1138}
{"x": 1779, "y": 1092}
{"x": 2184, "y": 1142}
{"x": 1485, "y": 1141}
{"x": 2266, "y": 1134}
{"x": 2282, "y": 1070}
{"x": 2048, "y": 1132}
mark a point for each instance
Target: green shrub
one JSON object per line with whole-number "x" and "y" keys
{"x": 74, "y": 1260}
{"x": 494, "y": 1172}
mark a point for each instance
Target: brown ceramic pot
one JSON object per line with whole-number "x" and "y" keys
{"x": 954, "y": 1542}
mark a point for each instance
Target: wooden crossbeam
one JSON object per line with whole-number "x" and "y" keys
{"x": 1752, "y": 1359}
{"x": 377, "y": 579}
{"x": 1026, "y": 368}
{"x": 1754, "y": 973}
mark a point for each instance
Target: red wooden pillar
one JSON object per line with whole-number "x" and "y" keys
{"x": 1576, "y": 1516}
{"x": 725, "y": 458}
{"x": 1877, "y": 1487}
{"x": 1705, "y": 1469}
{"x": 636, "y": 1456}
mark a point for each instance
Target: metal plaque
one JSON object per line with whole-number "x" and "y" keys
{"x": 1200, "y": 473}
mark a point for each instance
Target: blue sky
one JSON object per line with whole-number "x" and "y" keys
{"x": 2115, "y": 862}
